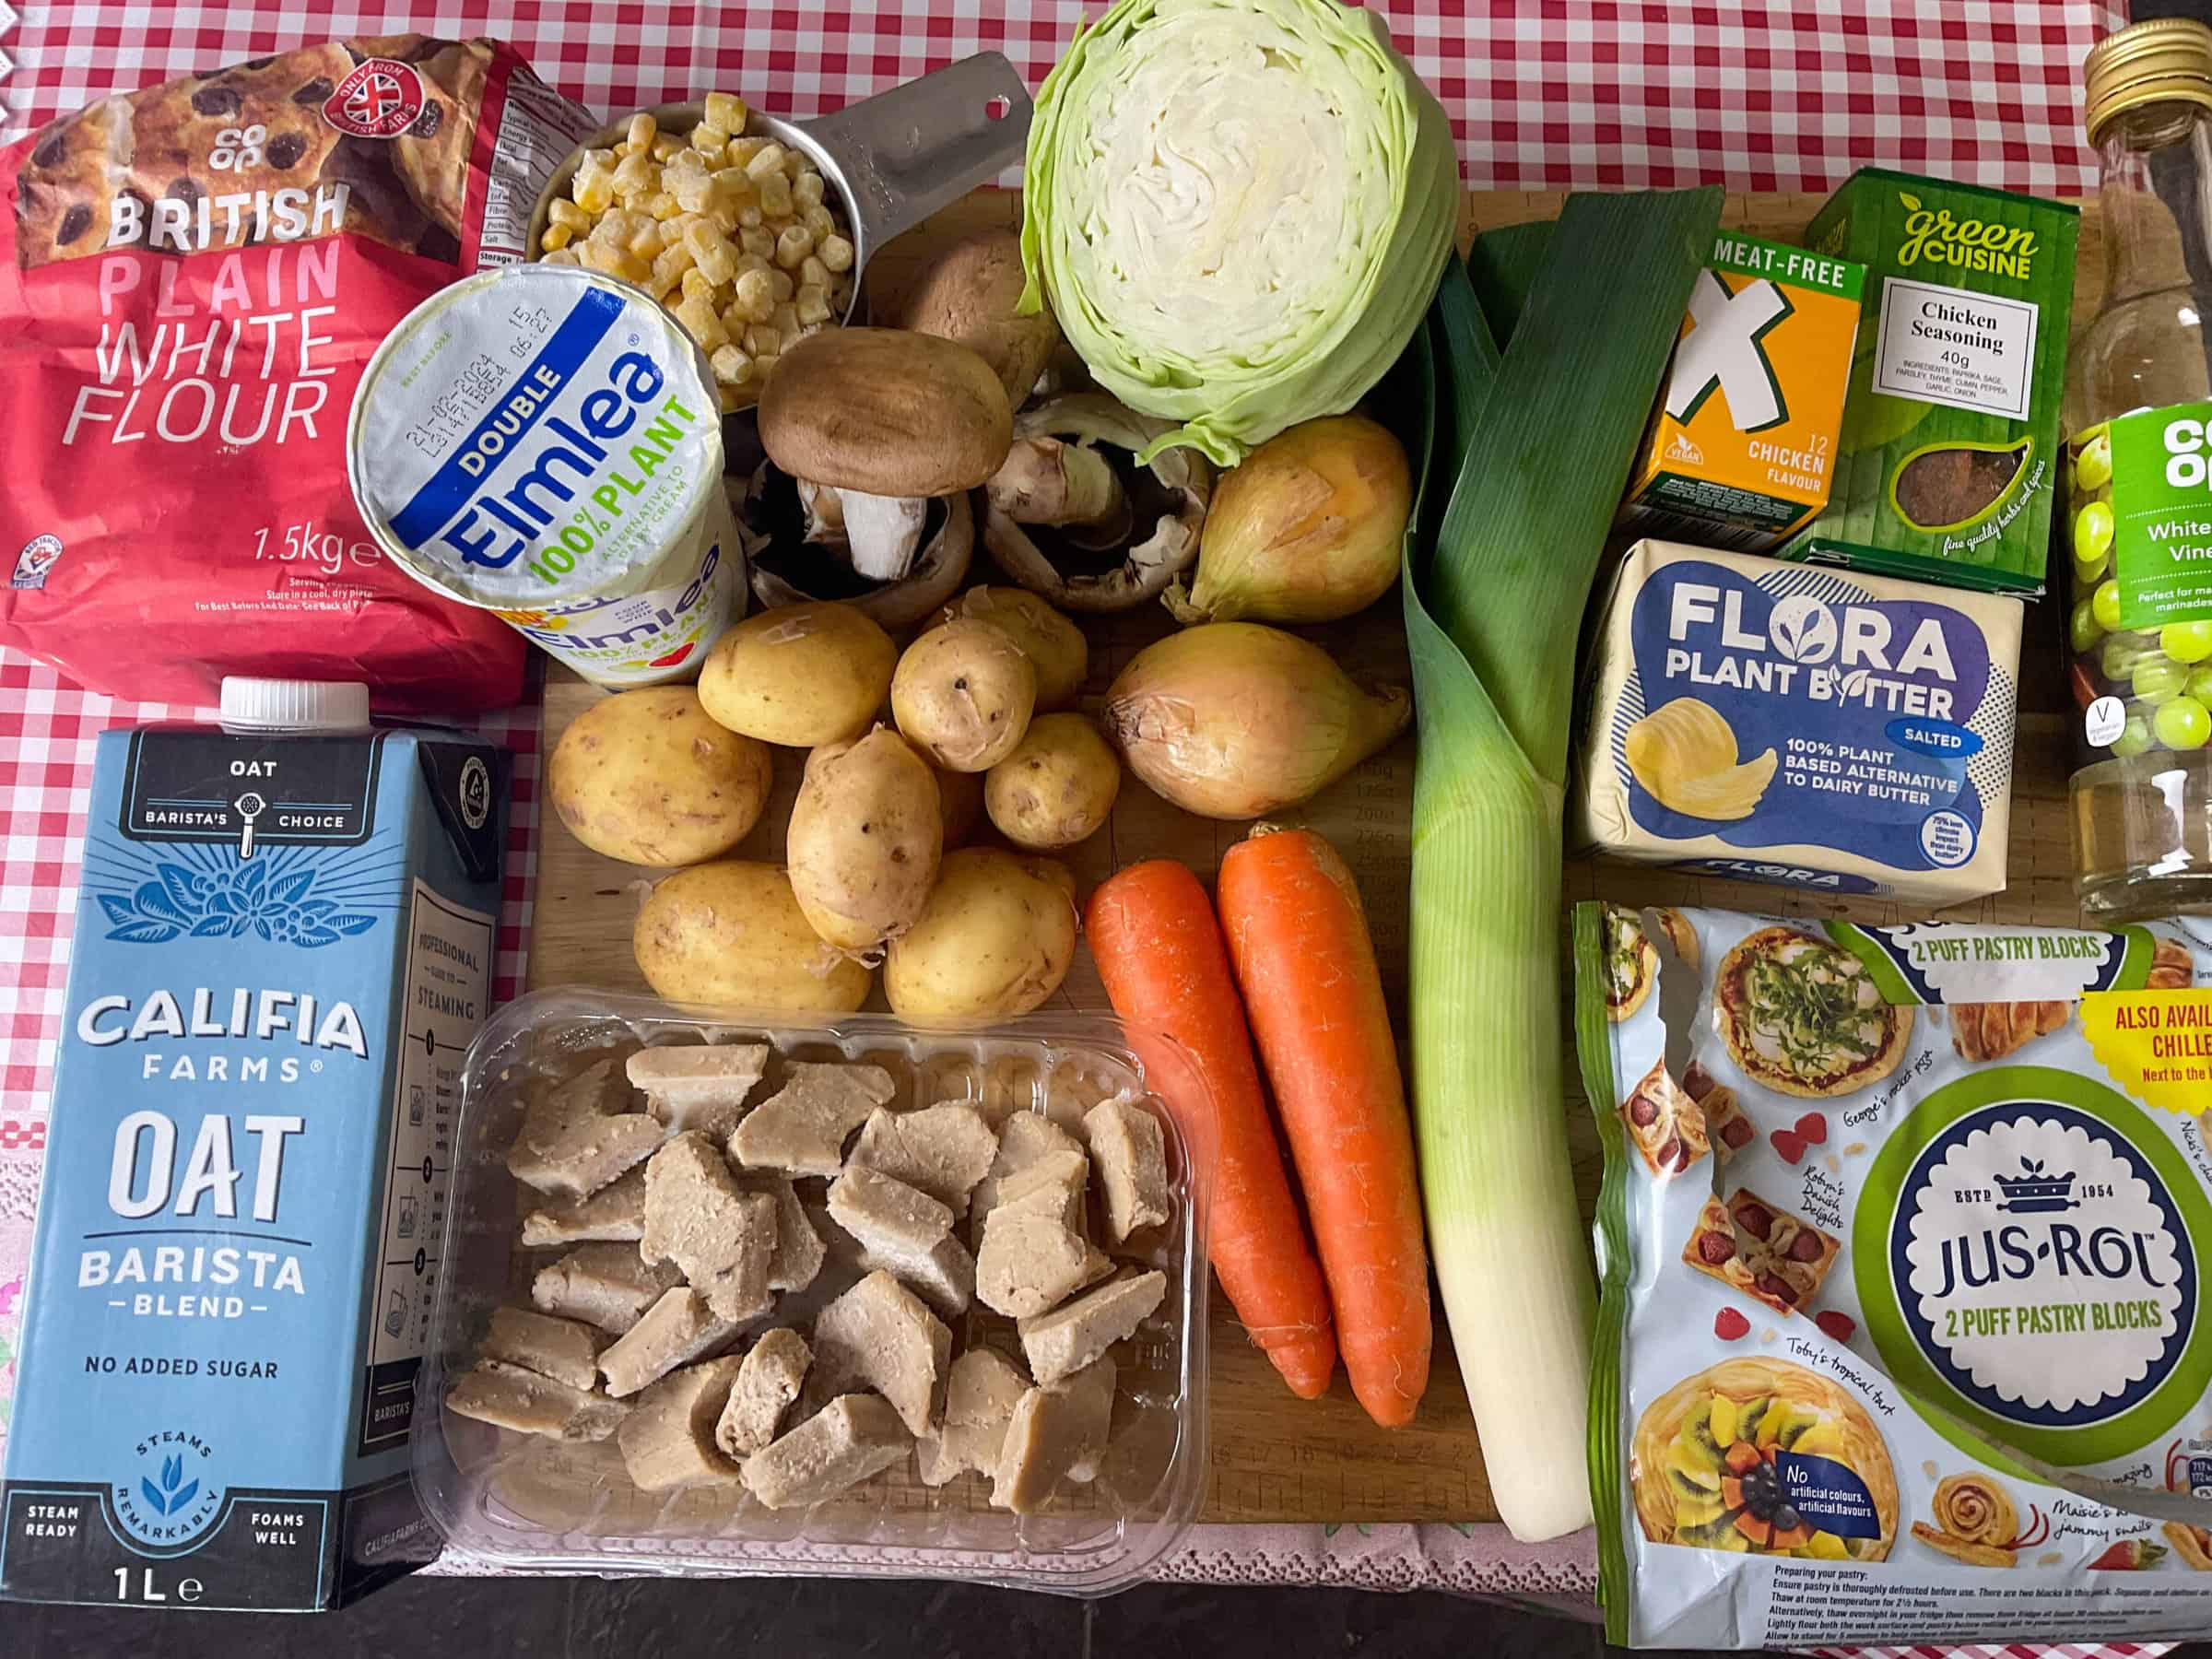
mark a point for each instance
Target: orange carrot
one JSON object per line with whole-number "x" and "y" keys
{"x": 1159, "y": 951}
{"x": 1299, "y": 940}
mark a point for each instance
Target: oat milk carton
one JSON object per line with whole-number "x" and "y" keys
{"x": 284, "y": 945}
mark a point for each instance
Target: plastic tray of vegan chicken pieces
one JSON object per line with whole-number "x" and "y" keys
{"x": 551, "y": 1504}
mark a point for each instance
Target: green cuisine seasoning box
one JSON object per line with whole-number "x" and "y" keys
{"x": 1949, "y": 456}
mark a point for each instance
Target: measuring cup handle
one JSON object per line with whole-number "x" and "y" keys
{"x": 919, "y": 148}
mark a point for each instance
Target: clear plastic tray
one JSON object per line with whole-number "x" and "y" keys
{"x": 552, "y": 1506}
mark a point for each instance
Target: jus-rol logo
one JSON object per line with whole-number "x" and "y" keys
{"x": 2028, "y": 1251}
{"x": 170, "y": 1496}
{"x": 382, "y": 99}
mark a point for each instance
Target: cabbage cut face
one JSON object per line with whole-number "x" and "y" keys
{"x": 1238, "y": 211}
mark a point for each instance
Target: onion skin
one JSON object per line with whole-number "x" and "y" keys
{"x": 1310, "y": 528}
{"x": 1231, "y": 720}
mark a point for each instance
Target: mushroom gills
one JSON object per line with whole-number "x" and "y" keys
{"x": 1046, "y": 481}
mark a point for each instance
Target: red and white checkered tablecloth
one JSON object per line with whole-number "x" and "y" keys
{"x": 1758, "y": 95}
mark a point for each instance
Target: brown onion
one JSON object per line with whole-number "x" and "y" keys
{"x": 1310, "y": 528}
{"x": 1231, "y": 720}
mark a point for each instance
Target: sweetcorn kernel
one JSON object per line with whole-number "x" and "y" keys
{"x": 740, "y": 150}
{"x": 762, "y": 341}
{"x": 568, "y": 216}
{"x": 555, "y": 237}
{"x": 594, "y": 192}
{"x": 813, "y": 273}
{"x": 561, "y": 256}
{"x": 671, "y": 264}
{"x": 634, "y": 175}
{"x": 818, "y": 221}
{"x": 793, "y": 246}
{"x": 755, "y": 295}
{"x": 725, "y": 111}
{"x": 783, "y": 285}
{"x": 664, "y": 147}
{"x": 731, "y": 367}
{"x": 807, "y": 189}
{"x": 709, "y": 141}
{"x": 700, "y": 320}
{"x": 697, "y": 284}
{"x": 836, "y": 253}
{"x": 643, "y": 129}
{"x": 644, "y": 239}
{"x": 765, "y": 161}
{"x": 786, "y": 321}
{"x": 775, "y": 196}
{"x": 813, "y": 305}
{"x": 759, "y": 241}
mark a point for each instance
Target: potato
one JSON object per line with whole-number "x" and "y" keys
{"x": 964, "y": 694}
{"x": 1057, "y": 786}
{"x": 1054, "y": 644}
{"x": 960, "y": 798}
{"x": 995, "y": 940}
{"x": 646, "y": 777}
{"x": 732, "y": 934}
{"x": 800, "y": 675}
{"x": 865, "y": 835}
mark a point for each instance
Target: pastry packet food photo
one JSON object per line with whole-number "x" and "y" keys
{"x": 1903, "y": 1243}
{"x": 193, "y": 277}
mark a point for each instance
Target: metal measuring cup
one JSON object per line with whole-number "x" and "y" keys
{"x": 893, "y": 159}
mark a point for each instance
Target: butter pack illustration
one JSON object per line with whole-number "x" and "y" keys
{"x": 1817, "y": 728}
{"x": 1741, "y": 449}
{"x": 284, "y": 943}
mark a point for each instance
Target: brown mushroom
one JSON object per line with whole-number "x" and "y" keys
{"x": 882, "y": 432}
{"x": 969, "y": 293}
{"x": 1071, "y": 515}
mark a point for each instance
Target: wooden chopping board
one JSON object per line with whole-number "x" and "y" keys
{"x": 1274, "y": 1458}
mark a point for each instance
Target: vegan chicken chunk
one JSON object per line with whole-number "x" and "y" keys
{"x": 606, "y": 1285}
{"x": 1052, "y": 1433}
{"x": 1061, "y": 1343}
{"x": 559, "y": 1348}
{"x": 507, "y": 1397}
{"x": 854, "y": 1437}
{"x": 668, "y": 1439}
{"x": 577, "y": 1137}
{"x": 941, "y": 1151}
{"x": 879, "y": 1336}
{"x": 698, "y": 1085}
{"x": 698, "y": 1216}
{"x": 979, "y": 1403}
{"x": 801, "y": 1129}
{"x": 615, "y": 1211}
{"x": 767, "y": 1381}
{"x": 676, "y": 1330}
{"x": 1128, "y": 1149}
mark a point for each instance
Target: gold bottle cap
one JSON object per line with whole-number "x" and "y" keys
{"x": 2154, "y": 62}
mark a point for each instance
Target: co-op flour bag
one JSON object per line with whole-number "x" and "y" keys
{"x": 195, "y": 276}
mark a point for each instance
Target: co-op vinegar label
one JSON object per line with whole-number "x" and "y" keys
{"x": 283, "y": 947}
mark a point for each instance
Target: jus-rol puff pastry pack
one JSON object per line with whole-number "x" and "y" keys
{"x": 1906, "y": 1241}
{"x": 1791, "y": 723}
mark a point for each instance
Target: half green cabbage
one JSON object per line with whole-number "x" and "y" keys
{"x": 1238, "y": 209}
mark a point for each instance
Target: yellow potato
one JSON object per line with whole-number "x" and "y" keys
{"x": 732, "y": 934}
{"x": 1057, "y": 786}
{"x": 865, "y": 835}
{"x": 960, "y": 798}
{"x": 800, "y": 675}
{"x": 963, "y": 693}
{"x": 995, "y": 940}
{"x": 1054, "y": 644}
{"x": 646, "y": 777}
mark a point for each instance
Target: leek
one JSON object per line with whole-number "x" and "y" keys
{"x": 1534, "y": 445}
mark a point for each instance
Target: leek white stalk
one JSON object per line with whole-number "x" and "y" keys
{"x": 1532, "y": 448}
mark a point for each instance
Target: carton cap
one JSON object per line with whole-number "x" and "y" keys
{"x": 276, "y": 705}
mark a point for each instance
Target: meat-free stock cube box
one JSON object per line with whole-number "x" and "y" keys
{"x": 1741, "y": 445}
{"x": 283, "y": 947}
{"x": 1948, "y": 454}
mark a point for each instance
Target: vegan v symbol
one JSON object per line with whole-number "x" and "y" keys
{"x": 1725, "y": 350}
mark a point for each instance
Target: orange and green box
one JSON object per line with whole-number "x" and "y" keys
{"x": 1742, "y": 445}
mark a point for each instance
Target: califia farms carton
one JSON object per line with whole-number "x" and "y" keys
{"x": 284, "y": 945}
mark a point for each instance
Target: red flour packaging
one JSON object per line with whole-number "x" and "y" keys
{"x": 193, "y": 277}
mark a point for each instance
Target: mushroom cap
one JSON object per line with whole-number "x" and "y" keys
{"x": 887, "y": 413}
{"x": 969, "y": 293}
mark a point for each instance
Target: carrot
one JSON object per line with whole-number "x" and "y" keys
{"x": 1159, "y": 951}
{"x": 1306, "y": 966}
